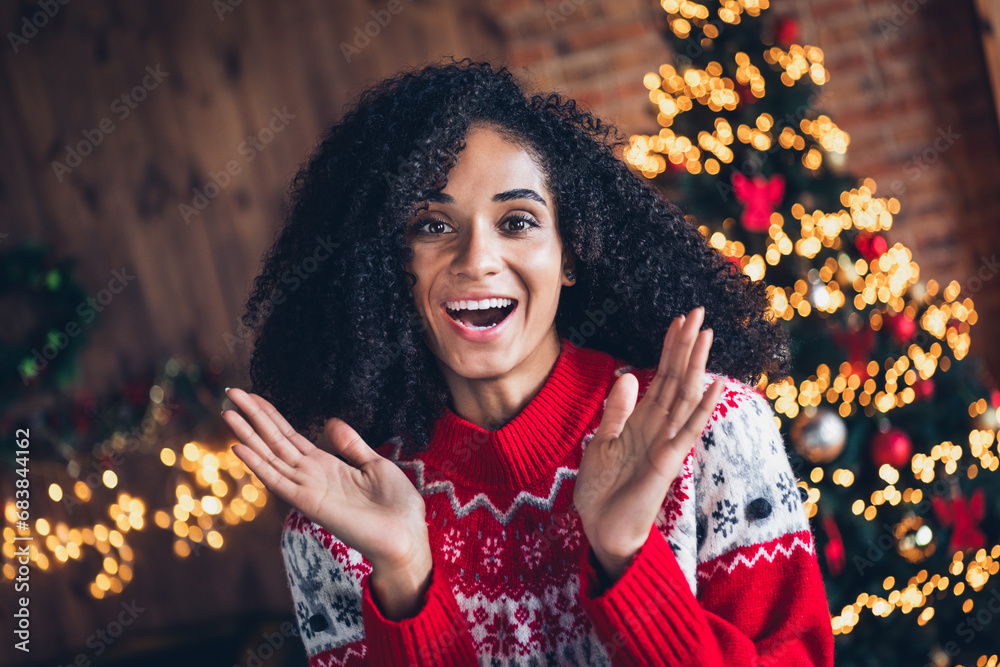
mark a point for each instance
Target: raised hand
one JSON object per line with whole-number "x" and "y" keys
{"x": 637, "y": 451}
{"x": 367, "y": 502}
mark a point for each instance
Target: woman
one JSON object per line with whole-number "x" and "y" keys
{"x": 523, "y": 461}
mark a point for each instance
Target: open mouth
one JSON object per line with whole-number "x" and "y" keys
{"x": 481, "y": 319}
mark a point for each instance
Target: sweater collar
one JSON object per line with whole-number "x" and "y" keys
{"x": 538, "y": 439}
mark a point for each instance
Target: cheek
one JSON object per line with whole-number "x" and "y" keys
{"x": 545, "y": 279}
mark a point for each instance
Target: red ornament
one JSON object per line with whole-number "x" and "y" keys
{"x": 858, "y": 345}
{"x": 786, "y": 31}
{"x": 924, "y": 389}
{"x": 963, "y": 516}
{"x": 834, "y": 549}
{"x": 871, "y": 246}
{"x": 759, "y": 197}
{"x": 892, "y": 447}
{"x": 901, "y": 327}
{"x": 137, "y": 393}
{"x": 953, "y": 325}
{"x": 746, "y": 95}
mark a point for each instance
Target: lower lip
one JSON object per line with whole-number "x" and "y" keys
{"x": 480, "y": 335}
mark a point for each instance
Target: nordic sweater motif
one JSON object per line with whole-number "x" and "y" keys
{"x": 727, "y": 576}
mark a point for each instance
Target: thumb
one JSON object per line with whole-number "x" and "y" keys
{"x": 346, "y": 442}
{"x": 618, "y": 407}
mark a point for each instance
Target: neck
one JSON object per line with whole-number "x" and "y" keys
{"x": 492, "y": 402}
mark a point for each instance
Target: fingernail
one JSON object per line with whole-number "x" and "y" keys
{"x": 227, "y": 389}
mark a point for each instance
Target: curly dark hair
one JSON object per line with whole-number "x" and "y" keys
{"x": 335, "y": 330}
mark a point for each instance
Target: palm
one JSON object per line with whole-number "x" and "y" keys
{"x": 638, "y": 449}
{"x": 366, "y": 501}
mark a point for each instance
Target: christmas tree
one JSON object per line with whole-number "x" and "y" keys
{"x": 891, "y": 425}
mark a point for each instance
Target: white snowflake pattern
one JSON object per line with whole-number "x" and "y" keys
{"x": 532, "y": 549}
{"x": 491, "y": 554}
{"x": 453, "y": 543}
{"x": 569, "y": 532}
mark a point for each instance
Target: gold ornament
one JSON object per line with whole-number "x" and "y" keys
{"x": 819, "y": 437}
{"x": 915, "y": 541}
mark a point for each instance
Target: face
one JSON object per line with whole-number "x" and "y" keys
{"x": 489, "y": 237}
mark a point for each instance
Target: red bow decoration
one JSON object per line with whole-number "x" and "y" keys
{"x": 962, "y": 515}
{"x": 759, "y": 197}
{"x": 858, "y": 345}
{"x": 834, "y": 550}
{"x": 786, "y": 30}
{"x": 871, "y": 246}
{"x": 900, "y": 327}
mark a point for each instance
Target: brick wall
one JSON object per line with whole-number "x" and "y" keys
{"x": 596, "y": 51}
{"x": 908, "y": 84}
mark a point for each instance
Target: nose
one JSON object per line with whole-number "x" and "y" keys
{"x": 479, "y": 253}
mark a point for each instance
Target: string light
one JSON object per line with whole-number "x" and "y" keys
{"x": 215, "y": 491}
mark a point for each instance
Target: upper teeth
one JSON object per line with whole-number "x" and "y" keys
{"x": 478, "y": 305}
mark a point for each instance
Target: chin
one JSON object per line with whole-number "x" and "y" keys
{"x": 480, "y": 360}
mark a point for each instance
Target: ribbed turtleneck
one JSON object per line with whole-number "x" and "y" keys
{"x": 538, "y": 439}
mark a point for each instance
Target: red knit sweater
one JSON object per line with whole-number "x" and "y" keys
{"x": 727, "y": 576}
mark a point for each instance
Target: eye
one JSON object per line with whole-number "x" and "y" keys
{"x": 520, "y": 223}
{"x": 435, "y": 224}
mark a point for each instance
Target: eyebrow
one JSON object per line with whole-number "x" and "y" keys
{"x": 507, "y": 195}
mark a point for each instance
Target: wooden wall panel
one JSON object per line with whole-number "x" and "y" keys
{"x": 120, "y": 206}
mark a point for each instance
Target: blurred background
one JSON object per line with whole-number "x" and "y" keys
{"x": 147, "y": 150}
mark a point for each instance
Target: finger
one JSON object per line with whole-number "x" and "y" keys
{"x": 679, "y": 354}
{"x": 251, "y": 441}
{"x": 695, "y": 424}
{"x": 663, "y": 369}
{"x": 620, "y": 404}
{"x": 347, "y": 443}
{"x": 692, "y": 388}
{"x": 301, "y": 443}
{"x": 275, "y": 482}
{"x": 265, "y": 428}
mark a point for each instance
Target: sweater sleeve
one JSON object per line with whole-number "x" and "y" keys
{"x": 339, "y": 621}
{"x": 760, "y": 595}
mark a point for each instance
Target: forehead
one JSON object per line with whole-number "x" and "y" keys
{"x": 493, "y": 161}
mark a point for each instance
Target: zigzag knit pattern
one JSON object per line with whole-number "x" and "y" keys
{"x": 727, "y": 576}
